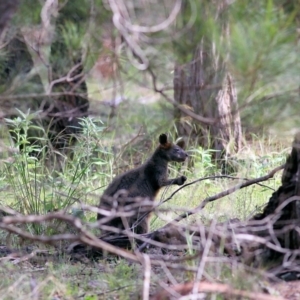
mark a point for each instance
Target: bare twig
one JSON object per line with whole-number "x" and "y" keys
{"x": 203, "y": 120}
{"x": 158, "y": 27}
{"x": 212, "y": 178}
{"x": 228, "y": 192}
{"x": 139, "y": 134}
{"x": 204, "y": 255}
{"x": 85, "y": 236}
{"x": 217, "y": 196}
{"x": 66, "y": 78}
{"x": 210, "y": 199}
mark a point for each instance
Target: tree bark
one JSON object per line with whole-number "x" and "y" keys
{"x": 207, "y": 88}
{"x": 285, "y": 202}
{"x": 7, "y": 9}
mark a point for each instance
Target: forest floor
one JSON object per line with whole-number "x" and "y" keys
{"x": 54, "y": 276}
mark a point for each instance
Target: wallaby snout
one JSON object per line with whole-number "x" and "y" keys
{"x": 177, "y": 153}
{"x": 180, "y": 155}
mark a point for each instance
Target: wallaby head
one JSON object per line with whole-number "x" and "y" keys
{"x": 170, "y": 151}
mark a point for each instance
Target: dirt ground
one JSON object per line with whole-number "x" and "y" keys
{"x": 288, "y": 290}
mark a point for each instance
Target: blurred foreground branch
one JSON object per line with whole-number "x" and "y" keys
{"x": 84, "y": 236}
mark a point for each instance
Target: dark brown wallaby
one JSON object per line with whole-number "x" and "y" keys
{"x": 142, "y": 183}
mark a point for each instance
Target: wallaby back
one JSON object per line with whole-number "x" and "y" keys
{"x": 143, "y": 182}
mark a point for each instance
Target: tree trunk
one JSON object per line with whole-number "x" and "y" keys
{"x": 207, "y": 88}
{"x": 285, "y": 202}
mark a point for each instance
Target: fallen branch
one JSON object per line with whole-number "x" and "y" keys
{"x": 84, "y": 236}
{"x": 209, "y": 287}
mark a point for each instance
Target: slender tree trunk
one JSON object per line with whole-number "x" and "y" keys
{"x": 206, "y": 87}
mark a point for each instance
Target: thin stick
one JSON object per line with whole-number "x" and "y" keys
{"x": 213, "y": 198}
{"x": 203, "y": 120}
{"x": 213, "y": 177}
{"x": 228, "y": 192}
{"x": 85, "y": 236}
{"x": 147, "y": 276}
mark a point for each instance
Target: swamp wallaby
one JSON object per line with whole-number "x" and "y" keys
{"x": 137, "y": 185}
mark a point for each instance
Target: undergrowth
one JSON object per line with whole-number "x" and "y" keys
{"x": 37, "y": 179}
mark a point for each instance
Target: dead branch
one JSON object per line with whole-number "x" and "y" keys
{"x": 218, "y": 196}
{"x": 228, "y": 192}
{"x": 67, "y": 78}
{"x": 207, "y": 200}
{"x": 209, "y": 287}
{"x": 212, "y": 178}
{"x": 121, "y": 12}
{"x": 84, "y": 236}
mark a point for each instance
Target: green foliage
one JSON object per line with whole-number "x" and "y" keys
{"x": 264, "y": 60}
{"x": 123, "y": 276}
{"x": 261, "y": 52}
{"x": 72, "y": 36}
{"x": 28, "y": 13}
{"x": 92, "y": 160}
{"x": 25, "y": 173}
{"x": 38, "y": 188}
{"x": 257, "y": 43}
{"x": 90, "y": 297}
{"x": 197, "y": 24}
{"x": 258, "y": 38}
{"x": 202, "y": 161}
{"x": 91, "y": 166}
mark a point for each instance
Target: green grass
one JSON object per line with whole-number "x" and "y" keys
{"x": 114, "y": 279}
{"x": 61, "y": 278}
{"x": 31, "y": 186}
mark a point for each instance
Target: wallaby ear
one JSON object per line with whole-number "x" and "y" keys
{"x": 181, "y": 144}
{"x": 163, "y": 139}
